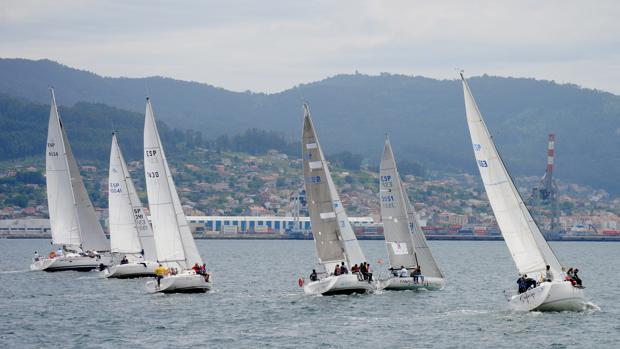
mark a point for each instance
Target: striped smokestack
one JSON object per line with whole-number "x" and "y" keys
{"x": 550, "y": 150}
{"x": 550, "y": 154}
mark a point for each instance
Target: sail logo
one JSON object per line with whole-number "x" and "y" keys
{"x": 399, "y": 248}
{"x": 477, "y": 147}
{"x": 483, "y": 163}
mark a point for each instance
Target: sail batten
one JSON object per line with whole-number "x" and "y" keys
{"x": 334, "y": 238}
{"x": 529, "y": 250}
{"x": 174, "y": 241}
{"x": 73, "y": 220}
{"x": 404, "y": 238}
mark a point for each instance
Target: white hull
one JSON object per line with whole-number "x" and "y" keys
{"x": 181, "y": 283}
{"x": 342, "y": 284}
{"x": 70, "y": 262}
{"x": 407, "y": 283}
{"x": 131, "y": 270}
{"x": 550, "y": 296}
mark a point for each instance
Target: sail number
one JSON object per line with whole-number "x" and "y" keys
{"x": 386, "y": 181}
{"x": 52, "y": 152}
{"x": 152, "y": 174}
{"x": 387, "y": 201}
{"x": 477, "y": 147}
{"x": 387, "y": 198}
{"x": 115, "y": 188}
{"x": 150, "y": 152}
{"x": 483, "y": 163}
{"x": 138, "y": 216}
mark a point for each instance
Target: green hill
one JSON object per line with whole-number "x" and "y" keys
{"x": 425, "y": 117}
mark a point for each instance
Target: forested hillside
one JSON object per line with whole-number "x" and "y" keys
{"x": 23, "y": 132}
{"x": 424, "y": 117}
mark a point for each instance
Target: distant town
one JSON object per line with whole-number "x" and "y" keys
{"x": 236, "y": 195}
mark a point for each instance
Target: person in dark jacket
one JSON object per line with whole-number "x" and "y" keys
{"x": 343, "y": 269}
{"x": 314, "y": 276}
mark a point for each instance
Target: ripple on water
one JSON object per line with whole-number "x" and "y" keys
{"x": 266, "y": 308}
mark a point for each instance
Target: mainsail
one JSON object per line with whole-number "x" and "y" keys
{"x": 173, "y": 237}
{"x": 528, "y": 247}
{"x": 405, "y": 240}
{"x": 333, "y": 235}
{"x": 73, "y": 220}
{"x": 130, "y": 232}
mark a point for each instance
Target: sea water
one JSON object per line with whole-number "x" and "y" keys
{"x": 256, "y": 303}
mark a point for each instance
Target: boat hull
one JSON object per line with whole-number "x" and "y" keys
{"x": 342, "y": 284}
{"x": 550, "y": 296}
{"x": 407, "y": 283}
{"x": 69, "y": 262}
{"x": 131, "y": 270}
{"x": 181, "y": 283}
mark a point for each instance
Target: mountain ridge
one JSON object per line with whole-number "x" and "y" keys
{"x": 424, "y": 117}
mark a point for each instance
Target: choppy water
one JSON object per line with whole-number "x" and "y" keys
{"x": 256, "y": 303}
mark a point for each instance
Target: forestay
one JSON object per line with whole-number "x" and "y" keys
{"x": 333, "y": 235}
{"x": 528, "y": 248}
{"x": 405, "y": 240}
{"x": 130, "y": 232}
{"x": 73, "y": 220}
{"x": 173, "y": 237}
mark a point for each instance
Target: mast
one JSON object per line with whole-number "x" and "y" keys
{"x": 173, "y": 237}
{"x": 84, "y": 221}
{"x": 529, "y": 250}
{"x": 407, "y": 244}
{"x": 333, "y": 235}
{"x": 61, "y": 206}
{"x": 129, "y": 229}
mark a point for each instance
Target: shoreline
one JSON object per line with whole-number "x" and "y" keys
{"x": 377, "y": 238}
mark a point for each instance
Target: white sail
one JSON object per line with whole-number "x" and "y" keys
{"x": 173, "y": 237}
{"x": 73, "y": 220}
{"x": 528, "y": 248}
{"x": 405, "y": 240}
{"x": 333, "y": 235}
{"x": 130, "y": 232}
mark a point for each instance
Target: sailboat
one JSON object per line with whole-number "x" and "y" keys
{"x": 77, "y": 236}
{"x": 532, "y": 255}
{"x": 131, "y": 236}
{"x": 406, "y": 245}
{"x": 334, "y": 238}
{"x": 175, "y": 245}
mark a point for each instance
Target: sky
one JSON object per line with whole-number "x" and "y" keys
{"x": 270, "y": 46}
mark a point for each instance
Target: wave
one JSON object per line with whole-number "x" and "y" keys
{"x": 14, "y": 271}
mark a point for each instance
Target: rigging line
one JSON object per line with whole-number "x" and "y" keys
{"x": 146, "y": 88}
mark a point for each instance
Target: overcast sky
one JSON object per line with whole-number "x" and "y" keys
{"x": 269, "y": 46}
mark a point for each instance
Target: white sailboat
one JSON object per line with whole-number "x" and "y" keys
{"x": 131, "y": 236}
{"x": 529, "y": 250}
{"x": 173, "y": 239}
{"x": 334, "y": 238}
{"x": 406, "y": 245}
{"x": 76, "y": 231}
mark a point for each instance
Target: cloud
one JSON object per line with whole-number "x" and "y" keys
{"x": 270, "y": 45}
